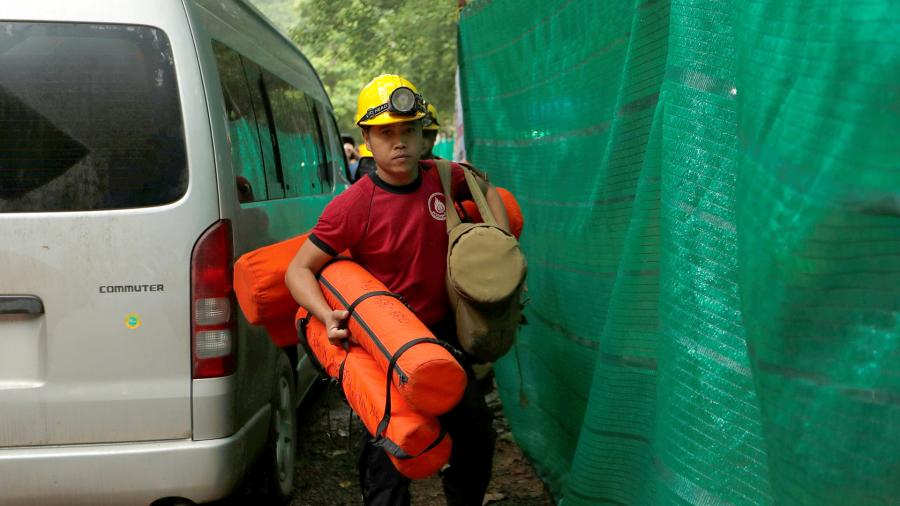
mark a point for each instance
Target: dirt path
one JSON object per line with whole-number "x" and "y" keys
{"x": 326, "y": 471}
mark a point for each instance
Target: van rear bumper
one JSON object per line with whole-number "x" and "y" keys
{"x": 129, "y": 473}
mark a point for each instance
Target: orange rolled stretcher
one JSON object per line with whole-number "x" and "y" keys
{"x": 427, "y": 375}
{"x": 415, "y": 443}
{"x": 261, "y": 292}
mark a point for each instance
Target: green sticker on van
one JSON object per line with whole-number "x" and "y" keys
{"x": 132, "y": 320}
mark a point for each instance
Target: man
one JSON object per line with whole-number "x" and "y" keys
{"x": 430, "y": 128}
{"x": 393, "y": 224}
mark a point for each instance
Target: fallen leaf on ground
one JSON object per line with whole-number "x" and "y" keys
{"x": 345, "y": 484}
{"x": 492, "y": 497}
{"x": 336, "y": 453}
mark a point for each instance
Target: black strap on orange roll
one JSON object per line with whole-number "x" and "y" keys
{"x": 380, "y": 440}
{"x": 352, "y": 307}
{"x": 395, "y": 450}
{"x": 351, "y": 310}
{"x": 384, "y": 442}
{"x": 346, "y": 345}
{"x": 301, "y": 338}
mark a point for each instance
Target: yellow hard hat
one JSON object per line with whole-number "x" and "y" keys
{"x": 389, "y": 99}
{"x": 431, "y": 122}
{"x": 364, "y": 151}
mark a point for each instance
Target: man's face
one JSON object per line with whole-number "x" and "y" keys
{"x": 395, "y": 147}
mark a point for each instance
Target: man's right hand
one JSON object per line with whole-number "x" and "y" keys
{"x": 336, "y": 325}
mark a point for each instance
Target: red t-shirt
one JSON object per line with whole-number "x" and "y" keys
{"x": 398, "y": 233}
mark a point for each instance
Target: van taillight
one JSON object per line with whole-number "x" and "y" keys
{"x": 212, "y": 303}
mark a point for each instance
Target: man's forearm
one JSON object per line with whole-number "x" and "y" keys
{"x": 306, "y": 291}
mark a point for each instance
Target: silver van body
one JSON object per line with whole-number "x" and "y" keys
{"x": 109, "y": 393}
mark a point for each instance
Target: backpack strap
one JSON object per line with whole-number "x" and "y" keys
{"x": 479, "y": 199}
{"x": 444, "y": 169}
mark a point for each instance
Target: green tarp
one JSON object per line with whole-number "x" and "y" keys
{"x": 711, "y": 192}
{"x": 443, "y": 149}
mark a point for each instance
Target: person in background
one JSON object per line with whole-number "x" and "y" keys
{"x": 351, "y": 154}
{"x": 366, "y": 164}
{"x": 393, "y": 224}
{"x": 430, "y": 129}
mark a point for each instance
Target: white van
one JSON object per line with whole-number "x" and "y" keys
{"x": 144, "y": 145}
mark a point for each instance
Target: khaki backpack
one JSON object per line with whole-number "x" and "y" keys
{"x": 485, "y": 276}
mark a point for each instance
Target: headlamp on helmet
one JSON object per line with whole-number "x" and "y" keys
{"x": 402, "y": 102}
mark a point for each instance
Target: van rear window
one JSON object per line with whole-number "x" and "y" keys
{"x": 89, "y": 118}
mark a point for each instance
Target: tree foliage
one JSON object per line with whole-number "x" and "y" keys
{"x": 280, "y": 12}
{"x": 349, "y": 42}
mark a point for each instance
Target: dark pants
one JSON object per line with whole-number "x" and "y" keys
{"x": 465, "y": 480}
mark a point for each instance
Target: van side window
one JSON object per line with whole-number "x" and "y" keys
{"x": 246, "y": 152}
{"x": 330, "y": 142}
{"x": 334, "y": 148}
{"x": 267, "y": 132}
{"x": 277, "y": 132}
{"x": 90, "y": 118}
{"x": 298, "y": 139}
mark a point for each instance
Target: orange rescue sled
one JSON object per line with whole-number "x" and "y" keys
{"x": 259, "y": 286}
{"x": 415, "y": 443}
{"x": 259, "y": 282}
{"x": 428, "y": 376}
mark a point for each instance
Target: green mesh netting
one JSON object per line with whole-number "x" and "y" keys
{"x": 711, "y": 192}
{"x": 443, "y": 149}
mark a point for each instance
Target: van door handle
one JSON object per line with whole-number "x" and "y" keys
{"x": 21, "y": 304}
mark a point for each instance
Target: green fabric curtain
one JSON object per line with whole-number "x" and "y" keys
{"x": 711, "y": 192}
{"x": 444, "y": 149}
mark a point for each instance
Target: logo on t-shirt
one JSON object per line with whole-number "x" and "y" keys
{"x": 437, "y": 207}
